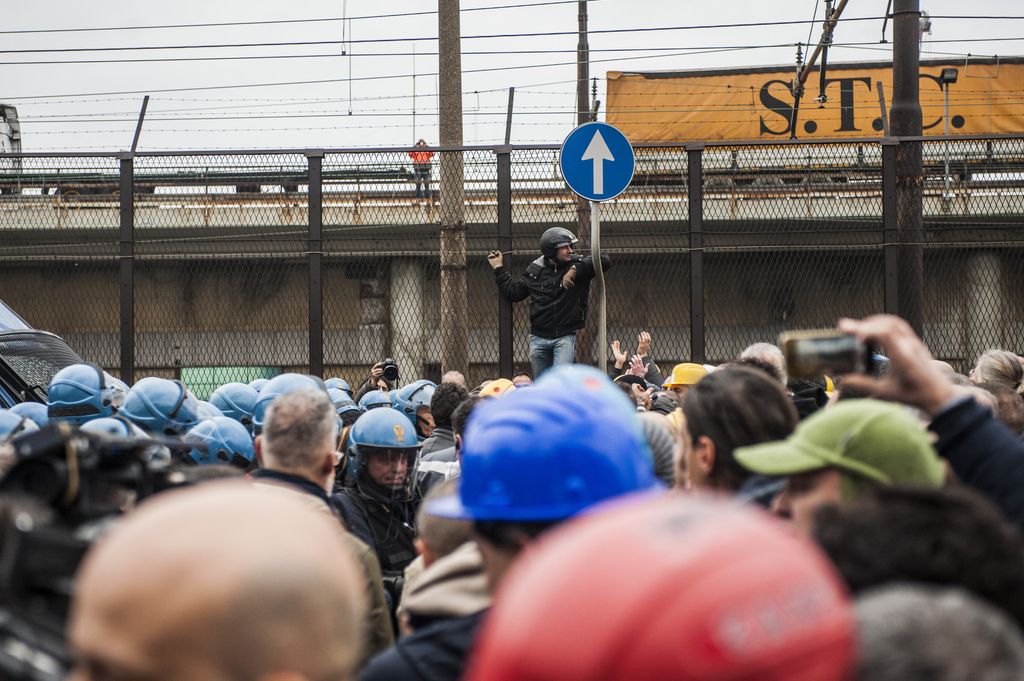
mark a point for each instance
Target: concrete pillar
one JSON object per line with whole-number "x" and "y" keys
{"x": 373, "y": 320}
{"x": 984, "y": 303}
{"x": 406, "y": 317}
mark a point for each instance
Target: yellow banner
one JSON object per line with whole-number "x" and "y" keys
{"x": 753, "y": 104}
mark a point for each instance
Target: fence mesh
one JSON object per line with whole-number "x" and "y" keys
{"x": 973, "y": 247}
{"x": 220, "y": 267}
{"x": 793, "y": 238}
{"x": 59, "y": 222}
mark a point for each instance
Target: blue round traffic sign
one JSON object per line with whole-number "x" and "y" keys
{"x": 597, "y": 161}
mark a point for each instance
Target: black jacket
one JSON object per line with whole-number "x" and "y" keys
{"x": 385, "y": 524}
{"x": 984, "y": 454}
{"x": 554, "y": 311}
{"x": 436, "y": 652}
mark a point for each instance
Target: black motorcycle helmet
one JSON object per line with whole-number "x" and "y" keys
{"x": 553, "y": 239}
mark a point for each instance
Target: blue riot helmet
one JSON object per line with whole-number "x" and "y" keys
{"x": 411, "y": 399}
{"x": 386, "y": 435}
{"x": 258, "y": 383}
{"x": 375, "y": 399}
{"x": 208, "y": 410}
{"x": 236, "y": 401}
{"x": 33, "y": 411}
{"x": 161, "y": 406}
{"x": 548, "y": 453}
{"x": 338, "y": 397}
{"x": 80, "y": 393}
{"x": 116, "y": 426}
{"x": 224, "y": 441}
{"x": 348, "y": 412}
{"x": 117, "y": 384}
{"x": 339, "y": 384}
{"x": 13, "y": 426}
{"x": 281, "y": 385}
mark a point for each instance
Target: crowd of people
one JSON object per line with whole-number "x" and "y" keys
{"x": 709, "y": 523}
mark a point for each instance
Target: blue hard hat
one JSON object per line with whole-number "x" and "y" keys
{"x": 339, "y": 384}
{"x": 236, "y": 401}
{"x": 374, "y": 399}
{"x": 581, "y": 376}
{"x": 226, "y": 441}
{"x": 549, "y": 453}
{"x": 161, "y": 406}
{"x": 116, "y": 425}
{"x": 82, "y": 392}
{"x": 408, "y": 399}
{"x": 33, "y": 411}
{"x": 14, "y": 425}
{"x": 258, "y": 383}
{"x": 281, "y": 385}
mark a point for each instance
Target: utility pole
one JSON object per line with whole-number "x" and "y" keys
{"x": 582, "y": 112}
{"x": 454, "y": 328}
{"x": 583, "y": 216}
{"x": 905, "y": 121}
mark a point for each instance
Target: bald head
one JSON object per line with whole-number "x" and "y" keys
{"x": 218, "y": 582}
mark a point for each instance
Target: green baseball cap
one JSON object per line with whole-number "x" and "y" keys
{"x": 875, "y": 440}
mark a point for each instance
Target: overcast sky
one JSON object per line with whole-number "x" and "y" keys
{"x": 68, "y": 106}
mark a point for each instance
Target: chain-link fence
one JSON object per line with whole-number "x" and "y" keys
{"x": 228, "y": 266}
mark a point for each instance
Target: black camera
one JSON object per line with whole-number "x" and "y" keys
{"x": 64, "y": 488}
{"x": 390, "y": 368}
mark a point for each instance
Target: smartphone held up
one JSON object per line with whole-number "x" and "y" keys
{"x": 814, "y": 353}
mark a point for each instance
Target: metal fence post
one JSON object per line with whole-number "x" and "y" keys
{"x": 505, "y": 246}
{"x": 127, "y": 266}
{"x": 890, "y": 233}
{"x": 695, "y": 199}
{"x": 315, "y": 254}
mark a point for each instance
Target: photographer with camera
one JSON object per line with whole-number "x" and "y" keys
{"x": 383, "y": 376}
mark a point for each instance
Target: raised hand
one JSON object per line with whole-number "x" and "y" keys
{"x": 495, "y": 259}
{"x": 569, "y": 280}
{"x": 619, "y": 354}
{"x": 643, "y": 344}
{"x": 637, "y": 366}
{"x": 912, "y": 378}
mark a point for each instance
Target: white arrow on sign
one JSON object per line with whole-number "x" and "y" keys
{"x": 598, "y": 152}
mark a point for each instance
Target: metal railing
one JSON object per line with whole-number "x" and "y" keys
{"x": 197, "y": 264}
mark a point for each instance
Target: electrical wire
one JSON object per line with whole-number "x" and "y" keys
{"x": 281, "y": 21}
{"x": 323, "y": 81}
{"x": 470, "y": 53}
{"x": 491, "y": 36}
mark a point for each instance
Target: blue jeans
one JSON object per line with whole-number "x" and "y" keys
{"x": 548, "y": 352}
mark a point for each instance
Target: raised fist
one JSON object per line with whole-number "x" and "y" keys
{"x": 495, "y": 259}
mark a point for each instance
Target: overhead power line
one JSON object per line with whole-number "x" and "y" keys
{"x": 490, "y": 36}
{"x": 270, "y": 22}
{"x": 323, "y": 81}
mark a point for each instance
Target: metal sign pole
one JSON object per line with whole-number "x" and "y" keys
{"x": 602, "y": 316}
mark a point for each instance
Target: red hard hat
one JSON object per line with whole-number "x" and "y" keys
{"x": 674, "y": 589}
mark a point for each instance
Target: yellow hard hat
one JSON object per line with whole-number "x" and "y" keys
{"x": 686, "y": 373}
{"x": 497, "y": 388}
